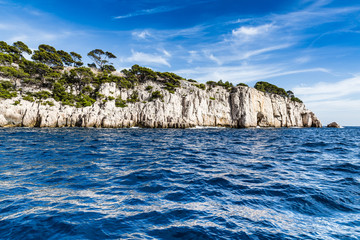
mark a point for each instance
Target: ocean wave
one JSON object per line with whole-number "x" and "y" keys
{"x": 179, "y": 184}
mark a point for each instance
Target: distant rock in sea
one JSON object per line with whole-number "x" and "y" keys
{"x": 333, "y": 125}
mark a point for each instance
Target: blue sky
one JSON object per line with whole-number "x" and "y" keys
{"x": 309, "y": 46}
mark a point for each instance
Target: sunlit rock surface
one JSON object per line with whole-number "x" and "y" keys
{"x": 189, "y": 106}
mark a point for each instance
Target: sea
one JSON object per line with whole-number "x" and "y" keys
{"x": 201, "y": 183}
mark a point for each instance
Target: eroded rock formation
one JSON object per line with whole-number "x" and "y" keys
{"x": 189, "y": 106}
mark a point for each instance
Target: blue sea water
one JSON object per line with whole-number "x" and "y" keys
{"x": 75, "y": 183}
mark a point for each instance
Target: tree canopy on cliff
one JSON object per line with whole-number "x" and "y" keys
{"x": 101, "y": 59}
{"x": 271, "y": 88}
{"x": 47, "y": 71}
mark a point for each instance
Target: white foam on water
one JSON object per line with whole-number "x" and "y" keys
{"x": 206, "y": 127}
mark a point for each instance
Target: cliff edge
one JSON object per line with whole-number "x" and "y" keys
{"x": 187, "y": 106}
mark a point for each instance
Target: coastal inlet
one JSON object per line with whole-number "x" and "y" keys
{"x": 201, "y": 183}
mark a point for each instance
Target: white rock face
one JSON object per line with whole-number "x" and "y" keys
{"x": 189, "y": 106}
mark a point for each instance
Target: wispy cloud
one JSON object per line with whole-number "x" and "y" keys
{"x": 148, "y": 12}
{"x": 169, "y": 35}
{"x": 247, "y": 52}
{"x": 330, "y": 91}
{"x": 314, "y": 4}
{"x": 141, "y": 34}
{"x": 337, "y": 101}
{"x": 302, "y": 60}
{"x": 16, "y": 31}
{"x": 212, "y": 57}
{"x": 252, "y": 53}
{"x": 251, "y": 30}
{"x": 148, "y": 59}
{"x": 243, "y": 73}
{"x": 166, "y": 53}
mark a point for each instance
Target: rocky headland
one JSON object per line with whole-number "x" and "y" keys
{"x": 55, "y": 90}
{"x": 187, "y": 106}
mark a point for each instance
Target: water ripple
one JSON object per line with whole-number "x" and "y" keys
{"x": 76, "y": 183}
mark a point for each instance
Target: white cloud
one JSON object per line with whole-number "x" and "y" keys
{"x": 166, "y": 53}
{"x": 317, "y": 3}
{"x": 215, "y": 59}
{"x": 148, "y": 12}
{"x": 193, "y": 56}
{"x": 264, "y": 50}
{"x": 161, "y": 9}
{"x": 336, "y": 101}
{"x": 141, "y": 35}
{"x": 345, "y": 104}
{"x": 252, "y": 31}
{"x": 33, "y": 35}
{"x": 310, "y": 17}
{"x": 146, "y": 58}
{"x": 170, "y": 35}
{"x": 19, "y": 30}
{"x": 242, "y": 73}
{"x": 330, "y": 91}
{"x": 343, "y": 111}
{"x": 302, "y": 60}
{"x": 241, "y": 20}
{"x": 212, "y": 57}
{"x": 249, "y": 51}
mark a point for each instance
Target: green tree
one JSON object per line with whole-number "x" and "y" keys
{"x": 143, "y": 73}
{"x": 47, "y": 48}
{"x": 47, "y": 55}
{"x": 290, "y": 94}
{"x": 270, "y": 88}
{"x": 81, "y": 76}
{"x": 12, "y": 72}
{"x": 7, "y": 90}
{"x": 76, "y": 59}
{"x": 65, "y": 57}
{"x": 36, "y": 69}
{"x": 4, "y": 47}
{"x": 91, "y": 65}
{"x": 11, "y": 50}
{"x": 100, "y": 57}
{"x": 295, "y": 99}
{"x": 5, "y": 59}
{"x": 109, "y": 68}
{"x": 22, "y": 47}
{"x": 59, "y": 93}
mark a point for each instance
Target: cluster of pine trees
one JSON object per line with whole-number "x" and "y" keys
{"x": 46, "y": 70}
{"x": 271, "y": 88}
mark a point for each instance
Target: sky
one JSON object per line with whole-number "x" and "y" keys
{"x": 311, "y": 47}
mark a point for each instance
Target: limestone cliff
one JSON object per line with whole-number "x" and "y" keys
{"x": 189, "y": 106}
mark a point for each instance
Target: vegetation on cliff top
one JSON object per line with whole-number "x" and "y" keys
{"x": 79, "y": 86}
{"x": 270, "y": 88}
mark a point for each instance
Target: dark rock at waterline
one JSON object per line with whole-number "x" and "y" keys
{"x": 333, "y": 125}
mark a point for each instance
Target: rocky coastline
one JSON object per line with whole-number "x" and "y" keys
{"x": 188, "y": 106}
